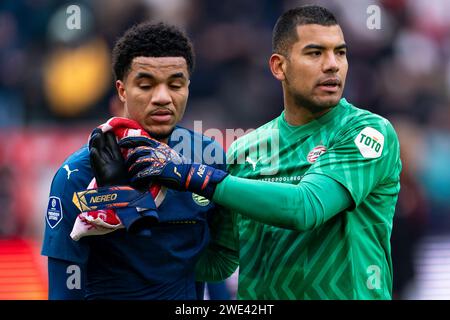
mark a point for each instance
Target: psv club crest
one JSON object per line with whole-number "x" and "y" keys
{"x": 316, "y": 153}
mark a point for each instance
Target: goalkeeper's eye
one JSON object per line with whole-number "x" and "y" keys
{"x": 314, "y": 53}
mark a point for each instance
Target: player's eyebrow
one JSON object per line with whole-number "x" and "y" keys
{"x": 144, "y": 75}
{"x": 319, "y": 47}
{"x": 147, "y": 75}
{"x": 178, "y": 75}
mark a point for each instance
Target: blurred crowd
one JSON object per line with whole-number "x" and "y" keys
{"x": 52, "y": 76}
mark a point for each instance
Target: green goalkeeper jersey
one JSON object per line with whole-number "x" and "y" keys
{"x": 347, "y": 256}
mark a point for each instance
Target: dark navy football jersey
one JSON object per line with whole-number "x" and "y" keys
{"x": 120, "y": 265}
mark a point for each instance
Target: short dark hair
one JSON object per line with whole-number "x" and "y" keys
{"x": 149, "y": 39}
{"x": 285, "y": 30}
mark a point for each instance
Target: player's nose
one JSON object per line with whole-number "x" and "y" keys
{"x": 161, "y": 96}
{"x": 330, "y": 63}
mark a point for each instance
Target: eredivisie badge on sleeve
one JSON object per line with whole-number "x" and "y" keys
{"x": 54, "y": 212}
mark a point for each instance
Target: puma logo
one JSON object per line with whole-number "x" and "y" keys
{"x": 69, "y": 172}
{"x": 253, "y": 163}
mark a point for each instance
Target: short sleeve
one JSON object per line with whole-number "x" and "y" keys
{"x": 60, "y": 216}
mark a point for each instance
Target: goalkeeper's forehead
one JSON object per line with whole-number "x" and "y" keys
{"x": 327, "y": 36}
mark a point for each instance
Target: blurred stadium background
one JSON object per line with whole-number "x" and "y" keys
{"x": 56, "y": 85}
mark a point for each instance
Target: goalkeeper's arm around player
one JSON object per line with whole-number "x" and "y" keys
{"x": 299, "y": 207}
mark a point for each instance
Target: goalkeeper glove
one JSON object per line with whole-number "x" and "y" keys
{"x": 109, "y": 170}
{"x": 150, "y": 159}
{"x": 106, "y": 159}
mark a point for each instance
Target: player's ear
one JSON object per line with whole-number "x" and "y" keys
{"x": 120, "y": 86}
{"x": 277, "y": 66}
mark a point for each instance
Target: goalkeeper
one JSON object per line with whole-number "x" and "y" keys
{"x": 325, "y": 232}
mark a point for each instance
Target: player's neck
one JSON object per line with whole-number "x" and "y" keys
{"x": 299, "y": 111}
{"x": 297, "y": 115}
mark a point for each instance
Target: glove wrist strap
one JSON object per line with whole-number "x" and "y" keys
{"x": 136, "y": 210}
{"x": 110, "y": 198}
{"x": 202, "y": 179}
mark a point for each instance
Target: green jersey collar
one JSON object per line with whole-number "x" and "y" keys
{"x": 314, "y": 124}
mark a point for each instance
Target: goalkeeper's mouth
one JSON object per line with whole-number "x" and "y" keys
{"x": 330, "y": 85}
{"x": 161, "y": 116}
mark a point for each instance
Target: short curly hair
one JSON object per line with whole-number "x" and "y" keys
{"x": 150, "y": 39}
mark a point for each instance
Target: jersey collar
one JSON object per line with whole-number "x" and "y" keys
{"x": 312, "y": 125}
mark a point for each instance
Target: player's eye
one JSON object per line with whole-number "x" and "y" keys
{"x": 342, "y": 53}
{"x": 314, "y": 53}
{"x": 176, "y": 85}
{"x": 145, "y": 86}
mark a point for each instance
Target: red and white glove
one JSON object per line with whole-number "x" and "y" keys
{"x": 94, "y": 223}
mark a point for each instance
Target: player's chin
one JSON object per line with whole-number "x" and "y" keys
{"x": 160, "y": 131}
{"x": 328, "y": 101}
